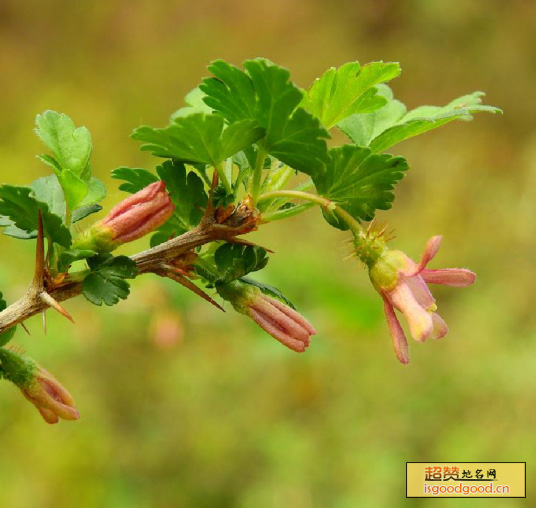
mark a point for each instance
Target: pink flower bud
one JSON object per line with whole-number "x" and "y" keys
{"x": 276, "y": 318}
{"x": 131, "y": 219}
{"x": 51, "y": 399}
{"x": 140, "y": 214}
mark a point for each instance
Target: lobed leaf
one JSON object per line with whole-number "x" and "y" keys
{"x": 348, "y": 90}
{"x": 195, "y": 104}
{"x": 22, "y": 209}
{"x": 393, "y": 124}
{"x": 48, "y": 190}
{"x": 230, "y": 262}
{"x": 68, "y": 257}
{"x": 135, "y": 178}
{"x": 264, "y": 92}
{"x": 234, "y": 261}
{"x": 360, "y": 181}
{"x": 187, "y": 191}
{"x": 71, "y": 146}
{"x": 199, "y": 138}
{"x": 230, "y": 92}
{"x": 106, "y": 282}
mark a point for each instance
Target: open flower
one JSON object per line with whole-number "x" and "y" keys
{"x": 131, "y": 219}
{"x": 402, "y": 283}
{"x": 50, "y": 398}
{"x": 276, "y": 318}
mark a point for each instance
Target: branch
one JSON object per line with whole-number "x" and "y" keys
{"x": 242, "y": 221}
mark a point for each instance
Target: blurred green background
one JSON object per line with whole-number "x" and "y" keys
{"x": 183, "y": 406}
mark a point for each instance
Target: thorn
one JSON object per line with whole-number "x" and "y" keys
{"x": 382, "y": 230}
{"x": 25, "y": 329}
{"x": 192, "y": 287}
{"x": 350, "y": 256}
{"x": 181, "y": 271}
{"x": 178, "y": 271}
{"x": 39, "y": 274}
{"x": 45, "y": 322}
{"x": 55, "y": 305}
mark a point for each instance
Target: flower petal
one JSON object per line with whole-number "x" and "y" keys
{"x": 430, "y": 250}
{"x": 455, "y": 277}
{"x": 419, "y": 319}
{"x": 421, "y": 292}
{"x": 48, "y": 415}
{"x": 280, "y": 319}
{"x": 276, "y": 332}
{"x": 400, "y": 344}
{"x": 291, "y": 313}
{"x": 440, "y": 327}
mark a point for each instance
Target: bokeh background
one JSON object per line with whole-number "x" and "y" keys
{"x": 183, "y": 406}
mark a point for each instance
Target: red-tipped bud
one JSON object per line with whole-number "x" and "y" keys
{"x": 40, "y": 387}
{"x": 276, "y": 318}
{"x": 50, "y": 398}
{"x": 131, "y": 219}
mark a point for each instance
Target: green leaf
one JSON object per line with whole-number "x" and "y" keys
{"x": 48, "y": 190}
{"x": 276, "y": 179}
{"x": 264, "y": 92}
{"x": 135, "y": 178}
{"x": 96, "y": 192}
{"x": 348, "y": 90}
{"x": 199, "y": 138}
{"x": 83, "y": 212}
{"x": 71, "y": 146}
{"x": 22, "y": 208}
{"x": 230, "y": 92}
{"x": 6, "y": 336}
{"x": 74, "y": 188}
{"x": 51, "y": 162}
{"x": 277, "y": 96}
{"x": 106, "y": 282}
{"x": 195, "y": 102}
{"x": 220, "y": 197}
{"x": 187, "y": 191}
{"x": 364, "y": 127}
{"x": 360, "y": 181}
{"x": 268, "y": 290}
{"x": 301, "y": 145}
{"x": 392, "y": 124}
{"x": 233, "y": 261}
{"x": 68, "y": 257}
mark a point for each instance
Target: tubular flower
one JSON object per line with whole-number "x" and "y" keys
{"x": 402, "y": 284}
{"x": 276, "y": 318}
{"x": 131, "y": 219}
{"x": 50, "y": 398}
